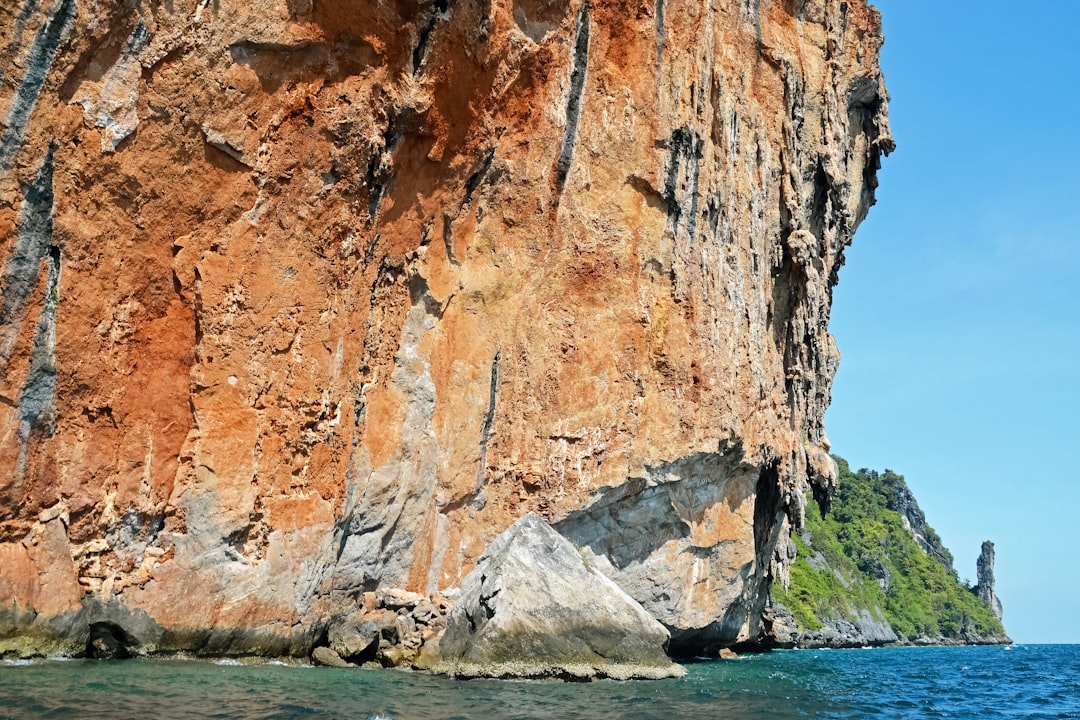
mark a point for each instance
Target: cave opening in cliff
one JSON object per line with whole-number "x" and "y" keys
{"x": 109, "y": 641}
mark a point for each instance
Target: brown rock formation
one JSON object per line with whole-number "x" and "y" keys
{"x": 303, "y": 298}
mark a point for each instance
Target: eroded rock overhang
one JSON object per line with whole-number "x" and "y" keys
{"x": 304, "y": 299}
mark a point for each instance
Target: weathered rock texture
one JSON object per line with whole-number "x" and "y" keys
{"x": 914, "y": 520}
{"x": 985, "y": 589}
{"x": 532, "y": 607}
{"x": 391, "y": 628}
{"x": 867, "y": 628}
{"x": 303, "y": 298}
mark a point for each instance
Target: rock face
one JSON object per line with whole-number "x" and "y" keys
{"x": 532, "y": 607}
{"x": 305, "y": 299}
{"x": 984, "y": 568}
{"x": 868, "y": 628}
{"x": 914, "y": 520}
{"x": 392, "y": 628}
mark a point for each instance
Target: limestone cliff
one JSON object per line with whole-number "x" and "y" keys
{"x": 873, "y": 572}
{"x": 304, "y": 298}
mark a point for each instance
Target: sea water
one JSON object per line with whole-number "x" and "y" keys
{"x": 1021, "y": 681}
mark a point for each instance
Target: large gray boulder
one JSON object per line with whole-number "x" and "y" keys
{"x": 532, "y": 607}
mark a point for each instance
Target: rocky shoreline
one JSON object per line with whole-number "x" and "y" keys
{"x": 394, "y": 628}
{"x": 864, "y": 631}
{"x": 533, "y": 607}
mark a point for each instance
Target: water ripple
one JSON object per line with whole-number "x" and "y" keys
{"x": 1041, "y": 682}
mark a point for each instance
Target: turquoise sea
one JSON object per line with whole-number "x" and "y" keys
{"x": 1022, "y": 681}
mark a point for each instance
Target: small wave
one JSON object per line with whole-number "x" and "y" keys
{"x": 229, "y": 662}
{"x": 294, "y": 663}
{"x": 19, "y": 662}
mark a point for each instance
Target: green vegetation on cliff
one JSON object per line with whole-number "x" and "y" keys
{"x": 862, "y": 555}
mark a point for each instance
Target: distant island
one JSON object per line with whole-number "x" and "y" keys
{"x": 873, "y": 572}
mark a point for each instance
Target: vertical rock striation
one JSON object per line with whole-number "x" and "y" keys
{"x": 985, "y": 570}
{"x": 303, "y": 299}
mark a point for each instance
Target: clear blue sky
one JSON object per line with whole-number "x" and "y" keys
{"x": 958, "y": 312}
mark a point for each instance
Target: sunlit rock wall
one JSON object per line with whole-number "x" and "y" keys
{"x": 306, "y": 297}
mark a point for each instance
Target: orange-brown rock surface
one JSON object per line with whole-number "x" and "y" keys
{"x": 305, "y": 298}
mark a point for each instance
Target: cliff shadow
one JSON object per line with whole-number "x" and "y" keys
{"x": 631, "y": 522}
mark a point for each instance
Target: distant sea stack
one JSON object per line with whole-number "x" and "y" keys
{"x": 985, "y": 588}
{"x": 305, "y": 303}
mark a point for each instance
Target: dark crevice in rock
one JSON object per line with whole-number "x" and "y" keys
{"x": 487, "y": 604}
{"x": 768, "y": 513}
{"x": 197, "y": 303}
{"x": 384, "y": 279}
{"x": 713, "y": 213}
{"x": 822, "y": 496}
{"x": 489, "y": 421}
{"x": 341, "y": 534}
{"x": 423, "y": 42}
{"x": 682, "y": 179}
{"x": 37, "y": 398}
{"x": 388, "y": 535}
{"x": 796, "y": 7}
{"x": 379, "y": 175}
{"x": 369, "y": 253}
{"x": 819, "y": 210}
{"x": 653, "y": 197}
{"x": 474, "y": 180}
{"x": 574, "y": 98}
